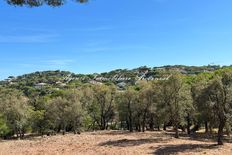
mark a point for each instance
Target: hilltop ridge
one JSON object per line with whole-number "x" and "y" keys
{"x": 56, "y": 80}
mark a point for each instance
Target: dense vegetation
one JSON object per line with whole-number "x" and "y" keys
{"x": 183, "y": 97}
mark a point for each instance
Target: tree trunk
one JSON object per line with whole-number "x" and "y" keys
{"x": 17, "y": 134}
{"x": 144, "y": 121}
{"x": 151, "y": 126}
{"x": 130, "y": 118}
{"x": 23, "y": 134}
{"x": 195, "y": 128}
{"x": 127, "y": 125}
{"x": 121, "y": 124}
{"x": 176, "y": 131}
{"x": 164, "y": 127}
{"x": 151, "y": 123}
{"x": 136, "y": 127}
{"x": 188, "y": 124}
{"x": 139, "y": 127}
{"x": 130, "y": 123}
{"x": 20, "y": 134}
{"x": 143, "y": 127}
{"x": 220, "y": 132}
{"x": 64, "y": 129}
{"x": 206, "y": 127}
{"x": 130, "y": 127}
{"x": 210, "y": 128}
{"x": 103, "y": 123}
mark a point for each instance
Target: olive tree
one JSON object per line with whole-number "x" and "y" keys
{"x": 220, "y": 99}
{"x": 126, "y": 103}
{"x": 173, "y": 95}
{"x": 15, "y": 109}
{"x": 65, "y": 112}
{"x": 102, "y": 107}
{"x": 146, "y": 100}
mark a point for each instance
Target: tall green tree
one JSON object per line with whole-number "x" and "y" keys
{"x": 126, "y": 102}
{"x": 146, "y": 100}
{"x": 173, "y": 97}
{"x": 203, "y": 114}
{"x": 14, "y": 107}
{"x": 104, "y": 105}
{"x": 220, "y": 98}
{"x": 4, "y": 129}
{"x": 65, "y": 112}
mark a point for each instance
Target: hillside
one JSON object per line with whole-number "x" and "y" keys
{"x": 184, "y": 97}
{"x": 56, "y": 80}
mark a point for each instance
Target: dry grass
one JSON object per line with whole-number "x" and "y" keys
{"x": 113, "y": 143}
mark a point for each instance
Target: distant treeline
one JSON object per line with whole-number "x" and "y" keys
{"x": 183, "y": 101}
{"x": 53, "y": 79}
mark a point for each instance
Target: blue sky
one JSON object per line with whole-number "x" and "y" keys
{"x": 109, "y": 34}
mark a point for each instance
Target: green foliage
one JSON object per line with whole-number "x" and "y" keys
{"x": 127, "y": 104}
{"x": 38, "y": 121}
{"x": 175, "y": 100}
{"x": 103, "y": 105}
{"x": 185, "y": 97}
{"x": 14, "y": 107}
{"x": 212, "y": 97}
{"x": 4, "y": 129}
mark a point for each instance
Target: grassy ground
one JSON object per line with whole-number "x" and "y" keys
{"x": 115, "y": 143}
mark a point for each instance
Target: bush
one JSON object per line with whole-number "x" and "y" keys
{"x": 4, "y": 129}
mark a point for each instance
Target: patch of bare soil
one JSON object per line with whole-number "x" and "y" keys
{"x": 113, "y": 143}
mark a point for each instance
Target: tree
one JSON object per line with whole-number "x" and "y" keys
{"x": 65, "y": 112}
{"x": 159, "y": 113}
{"x": 4, "y": 129}
{"x": 14, "y": 107}
{"x": 36, "y": 3}
{"x": 212, "y": 95}
{"x": 91, "y": 119}
{"x": 126, "y": 102}
{"x": 173, "y": 97}
{"x": 38, "y": 121}
{"x": 103, "y": 105}
{"x": 220, "y": 99}
{"x": 204, "y": 114}
{"x": 146, "y": 100}
{"x": 76, "y": 111}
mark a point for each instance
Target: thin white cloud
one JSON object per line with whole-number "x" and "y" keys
{"x": 119, "y": 48}
{"x": 58, "y": 62}
{"x": 48, "y": 64}
{"x": 92, "y": 29}
{"x": 160, "y": 1}
{"x": 94, "y": 49}
{"x": 34, "y": 38}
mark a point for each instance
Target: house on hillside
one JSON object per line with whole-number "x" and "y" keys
{"x": 40, "y": 85}
{"x": 61, "y": 84}
{"x": 121, "y": 85}
{"x": 95, "y": 82}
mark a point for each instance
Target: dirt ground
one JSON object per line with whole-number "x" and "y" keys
{"x": 113, "y": 143}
